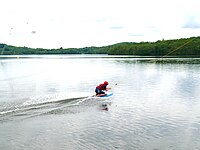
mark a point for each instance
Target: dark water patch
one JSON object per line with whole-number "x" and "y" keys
{"x": 161, "y": 60}
{"x": 172, "y": 61}
{"x": 177, "y": 61}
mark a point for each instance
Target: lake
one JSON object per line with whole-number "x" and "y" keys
{"x": 46, "y": 102}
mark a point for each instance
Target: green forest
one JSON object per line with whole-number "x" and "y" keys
{"x": 184, "y": 47}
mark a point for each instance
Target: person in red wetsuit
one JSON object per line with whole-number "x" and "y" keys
{"x": 101, "y": 88}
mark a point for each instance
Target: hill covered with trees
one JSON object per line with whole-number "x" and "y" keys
{"x": 185, "y": 47}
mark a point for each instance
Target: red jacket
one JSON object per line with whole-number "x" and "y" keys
{"x": 101, "y": 86}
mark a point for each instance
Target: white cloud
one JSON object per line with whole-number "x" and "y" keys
{"x": 77, "y": 23}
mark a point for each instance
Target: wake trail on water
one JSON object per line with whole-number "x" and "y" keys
{"x": 44, "y": 106}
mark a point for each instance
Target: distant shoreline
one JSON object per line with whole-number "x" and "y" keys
{"x": 179, "y": 48}
{"x": 88, "y": 56}
{"x": 120, "y": 58}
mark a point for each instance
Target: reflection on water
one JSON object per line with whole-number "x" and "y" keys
{"x": 47, "y": 103}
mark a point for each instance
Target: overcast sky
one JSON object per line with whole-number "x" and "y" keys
{"x": 81, "y": 23}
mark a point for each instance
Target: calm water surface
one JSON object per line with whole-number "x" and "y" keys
{"x": 46, "y": 103}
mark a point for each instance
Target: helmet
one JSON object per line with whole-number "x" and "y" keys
{"x": 106, "y": 82}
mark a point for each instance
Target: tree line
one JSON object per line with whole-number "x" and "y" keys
{"x": 185, "y": 47}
